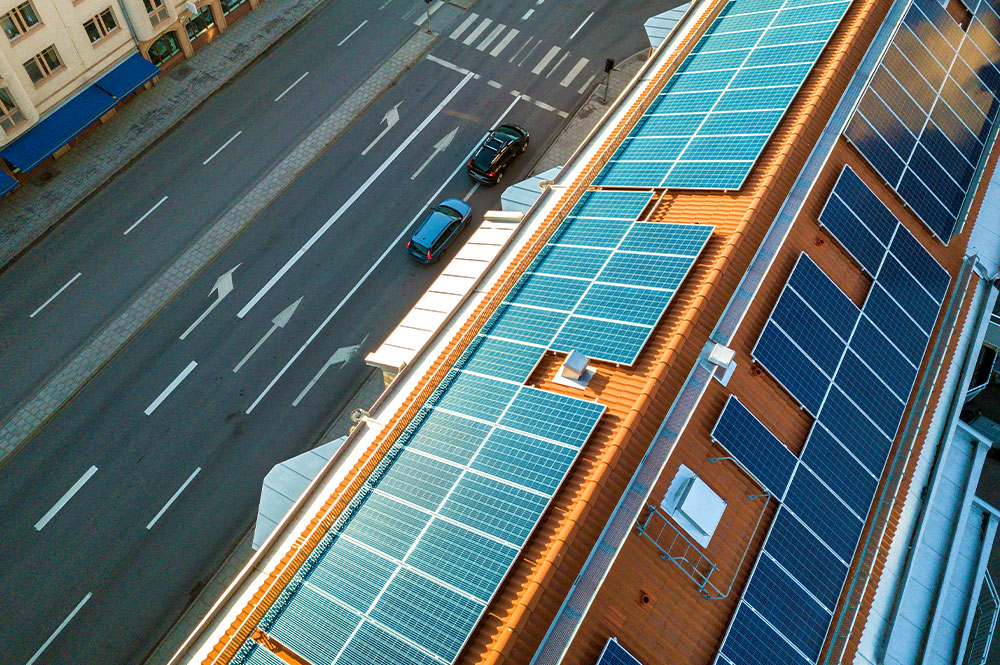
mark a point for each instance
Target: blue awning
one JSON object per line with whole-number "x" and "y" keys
{"x": 7, "y": 184}
{"x": 38, "y": 143}
{"x": 127, "y": 76}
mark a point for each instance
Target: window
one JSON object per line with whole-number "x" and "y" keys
{"x": 99, "y": 26}
{"x": 156, "y": 10}
{"x": 230, "y": 5}
{"x": 200, "y": 22}
{"x": 10, "y": 115}
{"x": 164, "y": 48}
{"x": 43, "y": 64}
{"x": 19, "y": 20}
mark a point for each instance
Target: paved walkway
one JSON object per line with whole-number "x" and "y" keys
{"x": 94, "y": 158}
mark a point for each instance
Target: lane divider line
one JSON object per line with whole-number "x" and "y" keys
{"x": 40, "y": 524}
{"x": 169, "y": 389}
{"x": 393, "y": 246}
{"x": 223, "y": 147}
{"x": 54, "y": 295}
{"x": 278, "y": 98}
{"x": 53, "y": 636}
{"x": 354, "y": 197}
{"x": 143, "y": 218}
{"x": 580, "y": 27}
{"x": 351, "y": 34}
{"x": 173, "y": 498}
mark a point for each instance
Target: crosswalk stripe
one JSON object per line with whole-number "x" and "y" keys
{"x": 583, "y": 88}
{"x": 502, "y": 44}
{"x": 546, "y": 60}
{"x": 581, "y": 63}
{"x": 464, "y": 26}
{"x": 490, "y": 37}
{"x": 558, "y": 64}
{"x": 474, "y": 35}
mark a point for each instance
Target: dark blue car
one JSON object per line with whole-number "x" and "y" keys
{"x": 438, "y": 229}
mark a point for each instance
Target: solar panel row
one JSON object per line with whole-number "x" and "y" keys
{"x": 407, "y": 576}
{"x": 925, "y": 119}
{"x": 853, "y": 370}
{"x": 712, "y": 119}
{"x": 411, "y": 566}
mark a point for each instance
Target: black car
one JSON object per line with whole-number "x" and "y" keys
{"x": 439, "y": 228}
{"x": 496, "y": 153}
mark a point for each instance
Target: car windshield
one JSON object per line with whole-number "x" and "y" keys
{"x": 451, "y": 212}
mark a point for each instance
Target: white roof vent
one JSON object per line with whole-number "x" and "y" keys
{"x": 574, "y": 372}
{"x": 724, "y": 360}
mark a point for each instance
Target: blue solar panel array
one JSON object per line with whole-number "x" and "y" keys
{"x": 602, "y": 282}
{"x": 712, "y": 119}
{"x": 615, "y": 654}
{"x": 925, "y": 121}
{"x": 757, "y": 450}
{"x": 855, "y": 371}
{"x": 410, "y": 567}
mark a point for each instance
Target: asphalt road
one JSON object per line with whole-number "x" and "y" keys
{"x": 166, "y": 447}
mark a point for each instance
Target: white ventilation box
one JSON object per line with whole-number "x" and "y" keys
{"x": 574, "y": 372}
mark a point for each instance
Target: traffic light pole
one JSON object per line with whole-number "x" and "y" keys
{"x": 609, "y": 66}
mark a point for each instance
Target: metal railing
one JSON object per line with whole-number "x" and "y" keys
{"x": 686, "y": 555}
{"x": 677, "y": 548}
{"x": 984, "y": 622}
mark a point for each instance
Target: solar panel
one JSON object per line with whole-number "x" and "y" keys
{"x": 713, "y": 117}
{"x": 615, "y": 654}
{"x": 925, "y": 120}
{"x": 787, "y": 604}
{"x": 407, "y": 572}
{"x": 754, "y": 446}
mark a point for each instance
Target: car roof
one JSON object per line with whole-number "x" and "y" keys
{"x": 431, "y": 228}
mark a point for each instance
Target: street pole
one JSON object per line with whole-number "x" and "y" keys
{"x": 609, "y": 66}
{"x": 427, "y": 8}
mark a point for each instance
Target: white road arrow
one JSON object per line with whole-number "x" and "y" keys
{"x": 391, "y": 118}
{"x": 223, "y": 287}
{"x": 438, "y": 147}
{"x": 279, "y": 322}
{"x": 340, "y": 357}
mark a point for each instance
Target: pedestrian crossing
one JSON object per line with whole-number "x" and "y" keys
{"x": 499, "y": 40}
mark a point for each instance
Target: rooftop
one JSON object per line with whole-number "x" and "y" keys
{"x": 666, "y": 595}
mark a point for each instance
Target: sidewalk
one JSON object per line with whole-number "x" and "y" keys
{"x": 94, "y": 158}
{"x": 585, "y": 119}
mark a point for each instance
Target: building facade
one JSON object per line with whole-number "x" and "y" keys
{"x": 52, "y": 51}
